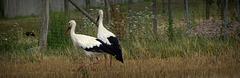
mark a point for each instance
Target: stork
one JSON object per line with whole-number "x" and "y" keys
{"x": 108, "y": 38}
{"x": 91, "y": 46}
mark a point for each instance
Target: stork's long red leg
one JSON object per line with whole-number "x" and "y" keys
{"x": 91, "y": 63}
{"x": 110, "y": 61}
{"x": 105, "y": 60}
{"x": 98, "y": 61}
{"x": 82, "y": 66}
{"x": 85, "y": 65}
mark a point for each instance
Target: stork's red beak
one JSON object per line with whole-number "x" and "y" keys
{"x": 67, "y": 30}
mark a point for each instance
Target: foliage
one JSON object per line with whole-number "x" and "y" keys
{"x": 141, "y": 44}
{"x": 170, "y": 31}
{"x": 57, "y": 25}
{"x": 15, "y": 40}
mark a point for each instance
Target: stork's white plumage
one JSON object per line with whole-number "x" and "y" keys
{"x": 108, "y": 38}
{"x": 92, "y": 46}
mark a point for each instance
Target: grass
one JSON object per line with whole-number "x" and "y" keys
{"x": 144, "y": 55}
{"x": 65, "y": 66}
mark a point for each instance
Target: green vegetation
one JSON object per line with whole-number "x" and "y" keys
{"x": 58, "y": 24}
{"x": 171, "y": 41}
{"x": 172, "y": 53}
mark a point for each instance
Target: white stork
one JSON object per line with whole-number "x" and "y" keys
{"x": 92, "y": 46}
{"x": 108, "y": 38}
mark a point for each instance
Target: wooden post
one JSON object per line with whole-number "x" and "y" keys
{"x": 186, "y": 5}
{"x": 170, "y": 21}
{"x": 108, "y": 13}
{"x": 130, "y": 13}
{"x": 170, "y": 8}
{"x": 238, "y": 9}
{"x": 225, "y": 20}
{"x": 84, "y": 12}
{"x": 2, "y": 8}
{"x": 207, "y": 9}
{"x": 87, "y": 5}
{"x": 44, "y": 25}
{"x": 222, "y": 9}
{"x": 154, "y": 17}
{"x": 66, "y": 8}
{"x": 163, "y": 6}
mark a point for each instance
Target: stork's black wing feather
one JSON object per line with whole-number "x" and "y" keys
{"x": 114, "y": 42}
{"x": 115, "y": 47}
{"x": 95, "y": 49}
{"x": 102, "y": 48}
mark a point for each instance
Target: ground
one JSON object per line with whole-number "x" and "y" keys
{"x": 223, "y": 65}
{"x": 215, "y": 28}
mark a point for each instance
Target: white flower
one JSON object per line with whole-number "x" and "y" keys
{"x": 5, "y": 39}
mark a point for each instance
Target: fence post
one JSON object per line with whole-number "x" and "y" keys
{"x": 87, "y": 5}
{"x": 222, "y": 9}
{"x": 108, "y": 13}
{"x": 155, "y": 17}
{"x": 238, "y": 9}
{"x": 130, "y": 14}
{"x": 163, "y": 6}
{"x": 170, "y": 21}
{"x": 44, "y": 25}
{"x": 225, "y": 20}
{"x": 186, "y": 5}
{"x": 2, "y": 8}
{"x": 207, "y": 9}
{"x": 66, "y": 8}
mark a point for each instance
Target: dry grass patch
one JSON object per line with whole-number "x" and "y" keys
{"x": 224, "y": 65}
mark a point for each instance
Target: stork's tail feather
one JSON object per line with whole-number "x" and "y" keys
{"x": 114, "y": 51}
{"x": 118, "y": 53}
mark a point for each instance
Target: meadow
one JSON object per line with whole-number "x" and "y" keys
{"x": 145, "y": 55}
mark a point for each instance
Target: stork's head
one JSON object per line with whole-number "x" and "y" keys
{"x": 100, "y": 12}
{"x": 70, "y": 24}
{"x": 100, "y": 16}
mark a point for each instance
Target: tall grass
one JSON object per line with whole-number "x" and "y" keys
{"x": 15, "y": 39}
{"x": 183, "y": 56}
{"x": 140, "y": 44}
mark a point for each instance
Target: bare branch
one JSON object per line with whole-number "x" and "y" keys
{"x": 84, "y": 12}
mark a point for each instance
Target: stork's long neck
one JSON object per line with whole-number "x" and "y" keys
{"x": 100, "y": 23}
{"x": 72, "y": 32}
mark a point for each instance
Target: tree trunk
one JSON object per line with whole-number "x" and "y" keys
{"x": 155, "y": 17}
{"x": 87, "y": 5}
{"x": 207, "y": 9}
{"x": 163, "y": 6}
{"x": 130, "y": 13}
{"x": 44, "y": 25}
{"x": 66, "y": 8}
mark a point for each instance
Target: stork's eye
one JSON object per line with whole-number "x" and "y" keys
{"x": 68, "y": 23}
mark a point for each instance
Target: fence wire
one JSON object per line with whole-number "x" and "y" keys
{"x": 142, "y": 21}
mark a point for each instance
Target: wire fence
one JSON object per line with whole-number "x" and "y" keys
{"x": 142, "y": 21}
